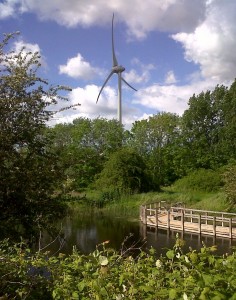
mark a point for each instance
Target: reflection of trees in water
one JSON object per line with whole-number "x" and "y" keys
{"x": 88, "y": 230}
{"x": 162, "y": 239}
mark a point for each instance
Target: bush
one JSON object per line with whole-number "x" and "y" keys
{"x": 230, "y": 183}
{"x": 201, "y": 180}
{"x": 105, "y": 274}
{"x": 125, "y": 172}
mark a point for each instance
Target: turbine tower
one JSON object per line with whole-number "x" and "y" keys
{"x": 118, "y": 69}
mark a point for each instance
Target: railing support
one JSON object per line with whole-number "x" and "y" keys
{"x": 199, "y": 224}
{"x": 214, "y": 226}
{"x": 156, "y": 215}
{"x": 230, "y": 228}
{"x": 168, "y": 219}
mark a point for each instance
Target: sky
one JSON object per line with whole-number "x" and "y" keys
{"x": 170, "y": 49}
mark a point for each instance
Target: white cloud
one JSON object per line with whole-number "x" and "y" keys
{"x": 205, "y": 28}
{"x": 77, "y": 67}
{"x": 170, "y": 98}
{"x": 27, "y": 48}
{"x": 87, "y": 96}
{"x": 142, "y": 76}
{"x": 105, "y": 108}
{"x": 212, "y": 44}
{"x": 7, "y": 8}
{"x": 170, "y": 77}
{"x": 133, "y": 77}
{"x": 140, "y": 16}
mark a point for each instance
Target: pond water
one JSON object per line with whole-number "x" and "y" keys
{"x": 89, "y": 230}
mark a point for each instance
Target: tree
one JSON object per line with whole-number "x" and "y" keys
{"x": 156, "y": 140}
{"x": 229, "y": 177}
{"x": 208, "y": 129}
{"x": 85, "y": 146}
{"x": 28, "y": 166}
{"x": 126, "y": 172}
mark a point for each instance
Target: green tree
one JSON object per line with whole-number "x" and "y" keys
{"x": 203, "y": 130}
{"x": 28, "y": 166}
{"x": 126, "y": 172}
{"x": 229, "y": 177}
{"x": 157, "y": 141}
{"x": 84, "y": 147}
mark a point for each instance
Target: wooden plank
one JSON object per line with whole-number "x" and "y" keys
{"x": 189, "y": 220}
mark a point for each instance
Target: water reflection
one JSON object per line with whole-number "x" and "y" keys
{"x": 161, "y": 239}
{"x": 87, "y": 231}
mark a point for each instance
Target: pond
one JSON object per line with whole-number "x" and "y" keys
{"x": 89, "y": 230}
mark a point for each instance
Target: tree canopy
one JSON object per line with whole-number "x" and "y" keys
{"x": 28, "y": 166}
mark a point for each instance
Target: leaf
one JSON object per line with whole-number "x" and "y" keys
{"x": 103, "y": 260}
{"x": 75, "y": 295}
{"x": 172, "y": 294}
{"x": 207, "y": 279}
{"x": 170, "y": 254}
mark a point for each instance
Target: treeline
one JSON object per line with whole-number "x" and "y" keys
{"x": 155, "y": 152}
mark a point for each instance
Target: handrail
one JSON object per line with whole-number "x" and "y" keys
{"x": 188, "y": 219}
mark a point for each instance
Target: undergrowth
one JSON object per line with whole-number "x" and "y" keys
{"x": 106, "y": 274}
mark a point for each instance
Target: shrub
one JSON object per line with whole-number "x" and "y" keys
{"x": 204, "y": 180}
{"x": 230, "y": 183}
{"x": 105, "y": 274}
{"x": 125, "y": 172}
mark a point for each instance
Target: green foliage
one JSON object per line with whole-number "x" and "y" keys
{"x": 156, "y": 140}
{"x": 208, "y": 129}
{"x": 230, "y": 183}
{"x": 105, "y": 274}
{"x": 28, "y": 166}
{"x": 84, "y": 146}
{"x": 200, "y": 180}
{"x": 125, "y": 171}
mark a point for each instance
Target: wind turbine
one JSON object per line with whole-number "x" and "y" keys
{"x": 118, "y": 69}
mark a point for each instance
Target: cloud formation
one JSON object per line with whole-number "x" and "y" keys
{"x": 211, "y": 45}
{"x": 167, "y": 15}
{"x": 77, "y": 67}
{"x": 205, "y": 29}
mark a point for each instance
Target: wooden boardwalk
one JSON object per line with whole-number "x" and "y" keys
{"x": 218, "y": 224}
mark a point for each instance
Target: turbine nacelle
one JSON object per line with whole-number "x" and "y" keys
{"x": 118, "y": 69}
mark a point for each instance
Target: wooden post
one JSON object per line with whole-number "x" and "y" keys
{"x": 206, "y": 221}
{"x": 199, "y": 224}
{"x": 168, "y": 219}
{"x": 230, "y": 228}
{"x": 214, "y": 226}
{"x": 222, "y": 222}
{"x": 145, "y": 215}
{"x": 191, "y": 218}
{"x": 182, "y": 219}
{"x": 156, "y": 215}
{"x": 141, "y": 213}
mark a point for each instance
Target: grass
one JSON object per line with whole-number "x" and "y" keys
{"x": 128, "y": 205}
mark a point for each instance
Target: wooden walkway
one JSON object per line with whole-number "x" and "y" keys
{"x": 218, "y": 224}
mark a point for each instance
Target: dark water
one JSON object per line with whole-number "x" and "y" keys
{"x": 87, "y": 231}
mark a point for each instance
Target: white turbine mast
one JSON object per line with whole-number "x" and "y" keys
{"x": 118, "y": 69}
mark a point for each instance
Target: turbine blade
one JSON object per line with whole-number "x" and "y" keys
{"x": 109, "y": 76}
{"x": 115, "y": 62}
{"x": 128, "y": 84}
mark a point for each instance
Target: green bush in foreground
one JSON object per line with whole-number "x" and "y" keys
{"x": 105, "y": 274}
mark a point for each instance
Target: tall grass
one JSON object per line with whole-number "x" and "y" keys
{"x": 201, "y": 190}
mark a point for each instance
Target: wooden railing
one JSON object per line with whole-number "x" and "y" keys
{"x": 162, "y": 215}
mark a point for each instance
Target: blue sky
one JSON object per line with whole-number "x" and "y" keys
{"x": 170, "y": 49}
